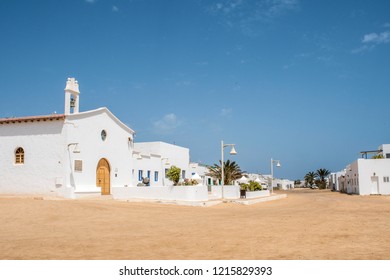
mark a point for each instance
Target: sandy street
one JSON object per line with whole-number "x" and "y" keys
{"x": 309, "y": 224}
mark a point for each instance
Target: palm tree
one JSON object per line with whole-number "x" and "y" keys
{"x": 231, "y": 171}
{"x": 309, "y": 178}
{"x": 322, "y": 173}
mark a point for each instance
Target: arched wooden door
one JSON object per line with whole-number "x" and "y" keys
{"x": 103, "y": 176}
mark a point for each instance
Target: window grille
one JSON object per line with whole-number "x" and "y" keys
{"x": 19, "y": 156}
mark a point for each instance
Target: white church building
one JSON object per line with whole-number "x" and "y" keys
{"x": 80, "y": 153}
{"x": 65, "y": 154}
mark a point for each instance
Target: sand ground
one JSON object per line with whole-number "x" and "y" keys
{"x": 308, "y": 224}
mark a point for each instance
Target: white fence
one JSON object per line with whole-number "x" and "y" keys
{"x": 173, "y": 193}
{"x": 256, "y": 194}
{"x": 182, "y": 193}
{"x": 229, "y": 192}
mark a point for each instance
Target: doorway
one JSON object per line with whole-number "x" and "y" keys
{"x": 374, "y": 185}
{"x": 103, "y": 176}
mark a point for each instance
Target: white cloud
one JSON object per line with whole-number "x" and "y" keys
{"x": 363, "y": 48}
{"x": 115, "y": 9}
{"x": 245, "y": 15}
{"x": 386, "y": 25}
{"x": 227, "y": 7}
{"x": 277, "y": 7}
{"x": 370, "y": 40}
{"x": 167, "y": 124}
{"x": 375, "y": 38}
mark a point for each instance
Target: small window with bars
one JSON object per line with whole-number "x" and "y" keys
{"x": 19, "y": 156}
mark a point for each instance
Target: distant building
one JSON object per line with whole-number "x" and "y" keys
{"x": 202, "y": 170}
{"x": 283, "y": 184}
{"x": 334, "y": 180}
{"x": 260, "y": 178}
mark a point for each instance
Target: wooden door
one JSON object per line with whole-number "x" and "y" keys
{"x": 103, "y": 176}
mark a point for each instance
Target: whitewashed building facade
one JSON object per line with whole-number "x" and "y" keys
{"x": 66, "y": 154}
{"x": 367, "y": 176}
{"x": 155, "y": 158}
{"x": 334, "y": 182}
{"x": 80, "y": 153}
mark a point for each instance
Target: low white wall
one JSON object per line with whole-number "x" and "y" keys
{"x": 257, "y": 194}
{"x": 216, "y": 191}
{"x": 229, "y": 192}
{"x": 180, "y": 193}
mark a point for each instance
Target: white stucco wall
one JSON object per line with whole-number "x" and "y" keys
{"x": 201, "y": 170}
{"x": 152, "y": 163}
{"x": 85, "y": 129}
{"x": 367, "y": 176}
{"x": 256, "y": 194}
{"x": 385, "y": 150}
{"x": 43, "y": 144}
{"x": 176, "y": 155}
{"x": 178, "y": 193}
{"x": 333, "y": 179}
{"x": 228, "y": 192}
{"x": 371, "y": 174}
{"x": 283, "y": 184}
{"x": 342, "y": 183}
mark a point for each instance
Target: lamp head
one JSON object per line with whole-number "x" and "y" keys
{"x": 166, "y": 161}
{"x": 233, "y": 151}
{"x": 278, "y": 164}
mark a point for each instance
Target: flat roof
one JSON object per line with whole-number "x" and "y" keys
{"x": 54, "y": 117}
{"x": 371, "y": 152}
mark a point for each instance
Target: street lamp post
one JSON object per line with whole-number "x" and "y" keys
{"x": 232, "y": 152}
{"x": 272, "y": 172}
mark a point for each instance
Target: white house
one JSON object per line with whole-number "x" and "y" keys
{"x": 261, "y": 179}
{"x": 368, "y": 176}
{"x": 283, "y": 184}
{"x": 333, "y": 179}
{"x": 65, "y": 154}
{"x": 202, "y": 170}
{"x": 155, "y": 158}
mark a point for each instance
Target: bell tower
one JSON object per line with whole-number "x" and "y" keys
{"x": 71, "y": 97}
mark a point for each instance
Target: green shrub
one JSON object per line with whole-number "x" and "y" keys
{"x": 173, "y": 174}
{"x": 252, "y": 186}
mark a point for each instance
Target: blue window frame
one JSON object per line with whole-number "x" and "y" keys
{"x": 140, "y": 174}
{"x": 155, "y": 176}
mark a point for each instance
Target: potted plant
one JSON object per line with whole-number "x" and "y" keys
{"x": 243, "y": 189}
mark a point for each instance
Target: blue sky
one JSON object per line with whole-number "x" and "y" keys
{"x": 303, "y": 81}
